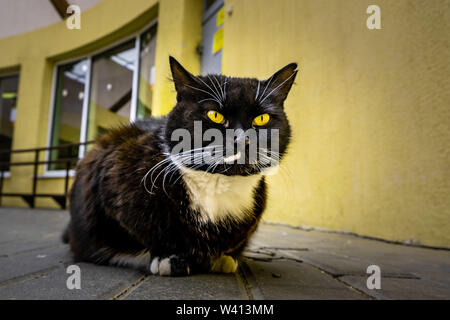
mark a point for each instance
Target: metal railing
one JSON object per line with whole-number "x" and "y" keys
{"x": 30, "y": 198}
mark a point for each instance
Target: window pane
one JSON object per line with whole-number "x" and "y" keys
{"x": 68, "y": 106}
{"x": 111, "y": 89}
{"x": 146, "y": 73}
{"x": 8, "y": 100}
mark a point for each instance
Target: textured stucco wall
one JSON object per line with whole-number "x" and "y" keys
{"x": 370, "y": 112}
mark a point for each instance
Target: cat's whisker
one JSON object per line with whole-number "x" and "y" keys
{"x": 267, "y": 85}
{"x": 214, "y": 164}
{"x": 216, "y": 89}
{"x": 257, "y": 90}
{"x": 225, "y": 89}
{"x": 209, "y": 99}
{"x": 193, "y": 167}
{"x": 212, "y": 91}
{"x": 220, "y": 85}
{"x": 197, "y": 154}
{"x": 200, "y": 148}
{"x": 224, "y": 85}
{"x": 267, "y": 160}
{"x": 217, "y": 164}
{"x": 157, "y": 166}
{"x": 176, "y": 169}
{"x": 145, "y": 182}
{"x": 269, "y": 153}
{"x": 192, "y": 157}
{"x": 144, "y": 179}
{"x": 198, "y": 151}
{"x": 156, "y": 179}
{"x": 274, "y": 90}
{"x": 152, "y": 168}
{"x": 226, "y": 169}
{"x": 170, "y": 168}
{"x": 220, "y": 88}
{"x": 209, "y": 93}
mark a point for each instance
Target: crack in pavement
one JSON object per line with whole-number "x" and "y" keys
{"x": 127, "y": 291}
{"x": 247, "y": 279}
{"x": 28, "y": 276}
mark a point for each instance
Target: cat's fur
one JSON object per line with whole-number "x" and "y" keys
{"x": 193, "y": 220}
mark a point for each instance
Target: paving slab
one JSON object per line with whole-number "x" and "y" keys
{"x": 97, "y": 282}
{"x": 195, "y": 287}
{"x": 10, "y": 248}
{"x": 34, "y": 225}
{"x": 341, "y": 254}
{"x": 282, "y": 280}
{"x": 14, "y": 267}
{"x": 401, "y": 289}
{"x": 340, "y": 264}
{"x": 24, "y": 230}
{"x": 281, "y": 262}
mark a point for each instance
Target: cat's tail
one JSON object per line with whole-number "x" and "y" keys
{"x": 65, "y": 235}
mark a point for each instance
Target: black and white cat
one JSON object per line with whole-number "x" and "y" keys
{"x": 135, "y": 202}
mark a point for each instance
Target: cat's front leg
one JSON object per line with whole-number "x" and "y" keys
{"x": 224, "y": 264}
{"x": 172, "y": 266}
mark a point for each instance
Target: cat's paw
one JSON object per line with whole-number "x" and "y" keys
{"x": 224, "y": 264}
{"x": 172, "y": 266}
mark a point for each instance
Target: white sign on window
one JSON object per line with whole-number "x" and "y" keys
{"x": 152, "y": 75}
{"x": 12, "y": 116}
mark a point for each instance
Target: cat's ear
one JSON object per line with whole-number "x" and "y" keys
{"x": 183, "y": 79}
{"x": 280, "y": 83}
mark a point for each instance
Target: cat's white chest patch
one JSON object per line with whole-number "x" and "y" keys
{"x": 217, "y": 196}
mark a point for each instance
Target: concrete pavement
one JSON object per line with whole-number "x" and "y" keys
{"x": 281, "y": 263}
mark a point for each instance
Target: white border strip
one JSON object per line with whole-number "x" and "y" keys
{"x": 135, "y": 84}
{"x": 85, "y": 111}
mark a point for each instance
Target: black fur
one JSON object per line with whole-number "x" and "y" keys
{"x": 113, "y": 213}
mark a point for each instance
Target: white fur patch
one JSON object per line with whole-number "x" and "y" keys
{"x": 217, "y": 196}
{"x": 164, "y": 267}
{"x": 154, "y": 267}
{"x": 138, "y": 261}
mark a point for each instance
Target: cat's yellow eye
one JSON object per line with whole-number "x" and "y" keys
{"x": 215, "y": 116}
{"x": 261, "y": 119}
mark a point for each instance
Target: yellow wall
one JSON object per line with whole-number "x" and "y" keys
{"x": 180, "y": 23}
{"x": 370, "y": 112}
